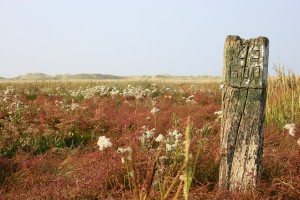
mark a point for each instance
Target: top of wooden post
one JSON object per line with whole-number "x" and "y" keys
{"x": 246, "y": 62}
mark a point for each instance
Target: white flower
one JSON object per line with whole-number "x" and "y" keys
{"x": 123, "y": 150}
{"x": 168, "y": 147}
{"x": 74, "y": 105}
{"x": 149, "y": 134}
{"x": 159, "y": 138}
{"x": 103, "y": 143}
{"x": 174, "y": 146}
{"x": 222, "y": 86}
{"x": 191, "y": 97}
{"x": 219, "y": 115}
{"x": 176, "y": 134}
{"x": 123, "y": 160}
{"x": 182, "y": 177}
{"x": 218, "y": 112}
{"x": 291, "y": 128}
{"x": 162, "y": 158}
{"x": 191, "y": 100}
{"x": 154, "y": 110}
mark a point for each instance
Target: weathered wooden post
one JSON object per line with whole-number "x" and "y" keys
{"x": 243, "y": 106}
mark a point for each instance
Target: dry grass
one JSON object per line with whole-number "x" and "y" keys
{"x": 283, "y": 103}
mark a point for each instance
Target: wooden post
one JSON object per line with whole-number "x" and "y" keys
{"x": 243, "y": 106}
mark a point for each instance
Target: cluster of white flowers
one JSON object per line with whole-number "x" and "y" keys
{"x": 218, "y": 112}
{"x": 17, "y": 105}
{"x": 68, "y": 107}
{"x": 219, "y": 115}
{"x": 190, "y": 100}
{"x": 74, "y": 105}
{"x": 159, "y": 138}
{"x": 291, "y": 128}
{"x": 147, "y": 136}
{"x": 123, "y": 151}
{"x": 60, "y": 104}
{"x": 222, "y": 86}
{"x": 9, "y": 90}
{"x": 103, "y": 143}
{"x": 101, "y": 90}
{"x": 114, "y": 91}
{"x": 155, "y": 110}
{"x": 12, "y": 104}
{"x": 138, "y": 92}
{"x": 9, "y": 95}
{"x": 173, "y": 140}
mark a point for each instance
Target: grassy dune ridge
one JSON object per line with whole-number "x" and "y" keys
{"x": 101, "y": 77}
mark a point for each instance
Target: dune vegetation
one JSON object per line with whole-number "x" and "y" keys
{"x": 136, "y": 139}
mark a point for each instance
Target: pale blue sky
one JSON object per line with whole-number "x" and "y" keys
{"x": 141, "y": 37}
